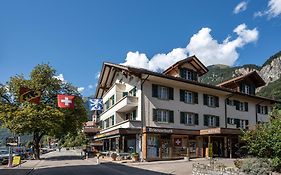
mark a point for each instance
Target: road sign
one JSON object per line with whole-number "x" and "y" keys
{"x": 11, "y": 141}
{"x": 16, "y": 160}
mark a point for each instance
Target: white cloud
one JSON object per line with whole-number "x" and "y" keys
{"x": 201, "y": 44}
{"x": 60, "y": 77}
{"x": 273, "y": 9}
{"x": 90, "y": 86}
{"x": 80, "y": 89}
{"x": 242, "y": 6}
{"x": 97, "y": 76}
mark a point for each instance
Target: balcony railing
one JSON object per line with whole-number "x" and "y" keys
{"x": 123, "y": 124}
{"x": 125, "y": 104}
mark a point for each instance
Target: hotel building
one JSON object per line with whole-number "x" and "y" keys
{"x": 172, "y": 114}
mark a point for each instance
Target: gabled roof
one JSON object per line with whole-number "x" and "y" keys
{"x": 252, "y": 76}
{"x": 106, "y": 81}
{"x": 194, "y": 61}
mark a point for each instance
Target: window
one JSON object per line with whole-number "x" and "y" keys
{"x": 125, "y": 94}
{"x": 112, "y": 120}
{"x": 162, "y": 92}
{"x": 188, "y": 74}
{"x": 241, "y": 106}
{"x": 107, "y": 104}
{"x": 211, "y": 120}
{"x": 247, "y": 89}
{"x": 262, "y": 109}
{"x": 112, "y": 100}
{"x": 189, "y": 118}
{"x": 133, "y": 92}
{"x": 131, "y": 115}
{"x": 162, "y": 115}
{"x": 210, "y": 100}
{"x": 238, "y": 122}
{"x": 188, "y": 96}
{"x": 106, "y": 123}
{"x": 229, "y": 102}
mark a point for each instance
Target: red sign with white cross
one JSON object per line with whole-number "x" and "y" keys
{"x": 178, "y": 141}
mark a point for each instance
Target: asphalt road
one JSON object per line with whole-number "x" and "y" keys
{"x": 70, "y": 163}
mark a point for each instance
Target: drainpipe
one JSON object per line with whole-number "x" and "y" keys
{"x": 225, "y": 107}
{"x": 142, "y": 115}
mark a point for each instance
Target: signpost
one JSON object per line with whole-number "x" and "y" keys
{"x": 11, "y": 141}
{"x": 16, "y": 160}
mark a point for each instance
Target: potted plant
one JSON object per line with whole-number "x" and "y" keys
{"x": 113, "y": 156}
{"x": 135, "y": 157}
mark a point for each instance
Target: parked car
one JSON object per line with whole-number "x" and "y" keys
{"x": 4, "y": 156}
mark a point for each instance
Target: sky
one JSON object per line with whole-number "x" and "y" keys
{"x": 76, "y": 37}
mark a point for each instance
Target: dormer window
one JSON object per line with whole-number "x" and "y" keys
{"x": 247, "y": 88}
{"x": 188, "y": 74}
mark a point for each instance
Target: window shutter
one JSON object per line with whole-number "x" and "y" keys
{"x": 154, "y": 115}
{"x": 246, "y": 106}
{"x": 242, "y": 87}
{"x": 217, "y": 121}
{"x": 182, "y": 73}
{"x": 195, "y": 97}
{"x": 259, "y": 108}
{"x": 134, "y": 115}
{"x": 154, "y": 90}
{"x": 217, "y": 101}
{"x": 181, "y": 95}
{"x": 247, "y": 122}
{"x": 236, "y": 103}
{"x": 228, "y": 120}
{"x": 196, "y": 122}
{"x": 205, "y": 98}
{"x": 266, "y": 110}
{"x": 237, "y": 123}
{"x": 182, "y": 118}
{"x": 206, "y": 120}
{"x": 194, "y": 75}
{"x": 252, "y": 89}
{"x": 171, "y": 116}
{"x": 171, "y": 93}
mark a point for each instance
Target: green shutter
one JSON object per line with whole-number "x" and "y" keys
{"x": 205, "y": 99}
{"x": 171, "y": 116}
{"x": 182, "y": 118}
{"x": 171, "y": 93}
{"x": 242, "y": 87}
{"x": 206, "y": 120}
{"x": 154, "y": 117}
{"x": 195, "y": 97}
{"x": 134, "y": 114}
{"x": 154, "y": 90}
{"x": 258, "y": 108}
{"x": 112, "y": 100}
{"x": 266, "y": 110}
{"x": 194, "y": 75}
{"x": 227, "y": 101}
{"x": 181, "y": 95}
{"x": 217, "y": 121}
{"x": 236, "y": 103}
{"x": 196, "y": 121}
{"x": 217, "y": 101}
{"x": 252, "y": 89}
{"x": 228, "y": 120}
{"x": 182, "y": 73}
{"x": 237, "y": 123}
{"x": 246, "y": 106}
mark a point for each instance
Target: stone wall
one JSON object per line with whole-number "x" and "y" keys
{"x": 202, "y": 169}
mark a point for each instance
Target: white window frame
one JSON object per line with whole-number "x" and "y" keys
{"x": 189, "y": 118}
{"x": 212, "y": 120}
{"x": 163, "y": 92}
{"x": 243, "y": 124}
{"x": 262, "y": 109}
{"x": 241, "y": 106}
{"x": 211, "y": 101}
{"x": 188, "y": 97}
{"x": 163, "y": 116}
{"x": 231, "y": 121}
{"x": 188, "y": 74}
{"x": 246, "y": 89}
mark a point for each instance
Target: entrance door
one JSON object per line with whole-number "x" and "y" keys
{"x": 165, "y": 144}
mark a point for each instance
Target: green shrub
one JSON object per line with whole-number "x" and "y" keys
{"x": 255, "y": 166}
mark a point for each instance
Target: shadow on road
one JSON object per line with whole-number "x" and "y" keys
{"x": 101, "y": 169}
{"x": 57, "y": 158}
{"x": 15, "y": 171}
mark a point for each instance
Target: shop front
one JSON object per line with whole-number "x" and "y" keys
{"x": 120, "y": 140}
{"x": 165, "y": 143}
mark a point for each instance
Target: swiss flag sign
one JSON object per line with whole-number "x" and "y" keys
{"x": 66, "y": 101}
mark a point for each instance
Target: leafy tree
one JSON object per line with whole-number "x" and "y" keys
{"x": 265, "y": 140}
{"x": 44, "y": 118}
{"x": 75, "y": 140}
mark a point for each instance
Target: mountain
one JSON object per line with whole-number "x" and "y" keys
{"x": 270, "y": 71}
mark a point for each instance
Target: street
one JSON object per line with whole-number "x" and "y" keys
{"x": 70, "y": 163}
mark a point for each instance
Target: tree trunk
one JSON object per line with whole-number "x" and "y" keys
{"x": 36, "y": 144}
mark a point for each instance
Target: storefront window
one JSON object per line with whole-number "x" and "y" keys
{"x": 152, "y": 146}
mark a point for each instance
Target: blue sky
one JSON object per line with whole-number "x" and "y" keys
{"x": 76, "y": 37}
